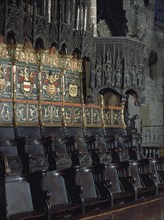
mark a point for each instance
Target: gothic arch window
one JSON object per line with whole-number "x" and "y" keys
{"x": 76, "y": 53}
{"x": 111, "y": 99}
{"x": 11, "y": 39}
{"x": 63, "y": 50}
{"x": 39, "y": 43}
{"x": 152, "y": 62}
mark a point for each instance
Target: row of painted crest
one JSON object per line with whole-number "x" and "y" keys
{"x": 45, "y": 88}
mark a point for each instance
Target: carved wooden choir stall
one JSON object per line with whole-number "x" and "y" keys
{"x": 66, "y": 141}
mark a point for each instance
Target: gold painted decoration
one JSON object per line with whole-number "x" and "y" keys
{"x": 26, "y": 114}
{"x": 92, "y": 116}
{"x": 116, "y": 118}
{"x": 77, "y": 115}
{"x": 96, "y": 117}
{"x": 107, "y": 117}
{"x": 26, "y": 53}
{"x": 5, "y": 81}
{"x": 6, "y": 114}
{"x": 51, "y": 114}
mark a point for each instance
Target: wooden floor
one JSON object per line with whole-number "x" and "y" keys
{"x": 145, "y": 209}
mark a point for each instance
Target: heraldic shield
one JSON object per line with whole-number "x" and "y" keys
{"x": 51, "y": 89}
{"x": 73, "y": 90}
{"x": 27, "y": 87}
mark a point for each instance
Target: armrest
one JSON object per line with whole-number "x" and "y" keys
{"x": 46, "y": 195}
{"x": 78, "y": 189}
{"x": 131, "y": 179}
{"x": 107, "y": 183}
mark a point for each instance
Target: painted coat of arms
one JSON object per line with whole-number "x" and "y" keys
{"x": 73, "y": 88}
{"x": 26, "y": 80}
{"x": 51, "y": 84}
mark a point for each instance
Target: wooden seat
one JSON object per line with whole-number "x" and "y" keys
{"x": 118, "y": 194}
{"x": 17, "y": 200}
{"x": 57, "y": 154}
{"x": 158, "y": 174}
{"x": 92, "y": 200}
{"x": 59, "y": 202}
{"x": 143, "y": 183}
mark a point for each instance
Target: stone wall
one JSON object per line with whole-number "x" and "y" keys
{"x": 141, "y": 26}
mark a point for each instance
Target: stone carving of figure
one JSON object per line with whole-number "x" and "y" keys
{"x": 140, "y": 77}
{"x": 131, "y": 124}
{"x": 118, "y": 76}
{"x": 127, "y": 77}
{"x": 134, "y": 78}
{"x": 108, "y": 69}
{"x": 127, "y": 81}
{"x": 98, "y": 76}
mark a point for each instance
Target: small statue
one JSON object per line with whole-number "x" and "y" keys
{"x": 131, "y": 124}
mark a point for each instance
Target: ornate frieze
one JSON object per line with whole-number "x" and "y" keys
{"x": 92, "y": 116}
{"x": 26, "y": 113}
{"x": 117, "y": 64}
{"x": 6, "y": 112}
{"x": 5, "y": 81}
{"x": 51, "y": 114}
{"x": 73, "y": 115}
{"x": 47, "y": 89}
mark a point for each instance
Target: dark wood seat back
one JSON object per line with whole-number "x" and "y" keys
{"x": 33, "y": 158}
{"x": 63, "y": 160}
{"x": 18, "y": 196}
{"x": 135, "y": 175}
{"x": 14, "y": 163}
{"x": 85, "y": 179}
{"x": 54, "y": 183}
{"x": 111, "y": 175}
{"x": 143, "y": 169}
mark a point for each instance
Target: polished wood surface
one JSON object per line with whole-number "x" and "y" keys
{"x": 144, "y": 209}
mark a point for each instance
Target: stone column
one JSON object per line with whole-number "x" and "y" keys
{"x": 93, "y": 16}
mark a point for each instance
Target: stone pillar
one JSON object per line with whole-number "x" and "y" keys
{"x": 93, "y": 16}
